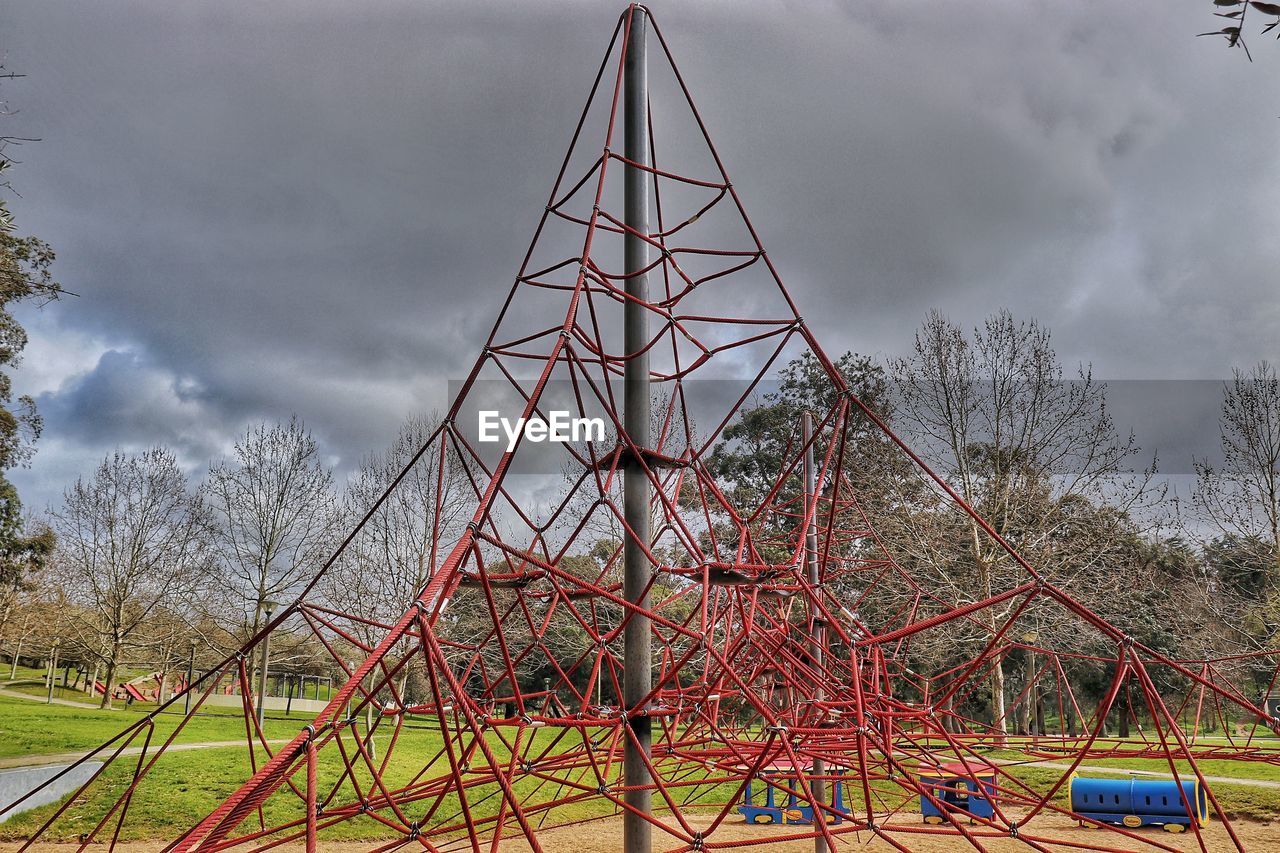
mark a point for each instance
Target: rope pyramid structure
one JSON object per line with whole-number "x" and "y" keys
{"x": 491, "y": 704}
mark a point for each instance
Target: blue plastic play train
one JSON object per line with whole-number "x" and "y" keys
{"x": 1138, "y": 802}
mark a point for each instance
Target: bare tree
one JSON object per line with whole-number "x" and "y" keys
{"x": 1240, "y": 499}
{"x": 275, "y": 513}
{"x": 131, "y": 541}
{"x": 394, "y": 556}
{"x": 992, "y": 413}
{"x": 21, "y": 557}
{"x": 29, "y": 611}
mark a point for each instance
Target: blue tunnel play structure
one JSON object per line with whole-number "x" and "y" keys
{"x": 1136, "y": 802}
{"x": 963, "y": 789}
{"x": 781, "y": 802}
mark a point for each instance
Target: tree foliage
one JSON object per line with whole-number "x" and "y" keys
{"x": 26, "y": 277}
{"x": 1235, "y": 12}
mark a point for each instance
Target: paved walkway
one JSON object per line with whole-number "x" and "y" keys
{"x": 18, "y": 694}
{"x": 73, "y": 757}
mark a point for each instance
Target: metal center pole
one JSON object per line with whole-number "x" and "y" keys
{"x": 817, "y": 785}
{"x": 637, "y": 675}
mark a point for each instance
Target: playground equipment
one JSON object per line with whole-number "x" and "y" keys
{"x": 781, "y": 801}
{"x": 965, "y": 788}
{"x": 1136, "y": 802}
{"x": 539, "y": 676}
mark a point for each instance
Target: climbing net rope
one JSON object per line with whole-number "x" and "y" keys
{"x": 483, "y": 702}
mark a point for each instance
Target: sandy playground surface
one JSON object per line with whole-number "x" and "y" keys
{"x": 605, "y": 836}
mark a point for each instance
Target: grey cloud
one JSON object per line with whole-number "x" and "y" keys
{"x": 318, "y": 207}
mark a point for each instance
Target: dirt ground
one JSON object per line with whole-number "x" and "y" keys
{"x": 605, "y": 836}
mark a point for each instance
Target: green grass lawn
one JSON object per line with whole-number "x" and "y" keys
{"x": 34, "y": 728}
{"x": 185, "y": 786}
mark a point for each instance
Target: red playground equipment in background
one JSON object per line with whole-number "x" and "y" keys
{"x": 776, "y": 629}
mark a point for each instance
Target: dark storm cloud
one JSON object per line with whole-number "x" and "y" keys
{"x": 317, "y": 207}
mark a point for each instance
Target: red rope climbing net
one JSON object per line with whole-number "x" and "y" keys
{"x": 762, "y": 673}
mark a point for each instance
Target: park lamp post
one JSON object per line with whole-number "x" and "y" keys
{"x": 268, "y": 607}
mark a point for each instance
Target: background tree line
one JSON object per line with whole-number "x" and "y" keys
{"x": 137, "y": 561}
{"x": 1031, "y": 445}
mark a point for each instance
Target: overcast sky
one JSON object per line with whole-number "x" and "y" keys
{"x": 317, "y": 207}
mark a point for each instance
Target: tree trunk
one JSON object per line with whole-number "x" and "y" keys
{"x": 999, "y": 710}
{"x": 108, "y": 678}
{"x": 1038, "y": 698}
{"x": 162, "y": 692}
{"x": 1025, "y": 721}
{"x": 998, "y": 701}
